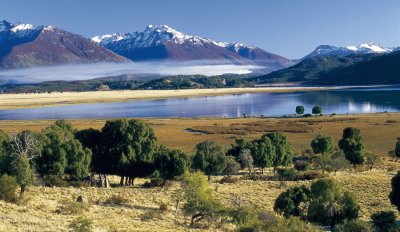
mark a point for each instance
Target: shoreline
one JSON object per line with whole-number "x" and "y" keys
{"x": 35, "y": 100}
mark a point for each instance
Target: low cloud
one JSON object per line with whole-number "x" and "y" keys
{"x": 91, "y": 71}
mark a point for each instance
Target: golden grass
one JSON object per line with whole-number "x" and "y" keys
{"x": 12, "y": 101}
{"x": 40, "y": 212}
{"x": 379, "y": 133}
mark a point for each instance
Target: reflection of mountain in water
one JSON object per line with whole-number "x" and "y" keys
{"x": 367, "y": 99}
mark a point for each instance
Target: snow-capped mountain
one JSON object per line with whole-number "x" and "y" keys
{"x": 367, "y": 48}
{"x": 165, "y": 43}
{"x": 26, "y": 45}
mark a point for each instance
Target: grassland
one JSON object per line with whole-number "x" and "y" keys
{"x": 28, "y": 100}
{"x": 41, "y": 210}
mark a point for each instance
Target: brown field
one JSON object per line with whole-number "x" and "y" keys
{"x": 41, "y": 209}
{"x": 12, "y": 101}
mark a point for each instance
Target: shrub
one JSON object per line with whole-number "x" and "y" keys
{"x": 8, "y": 186}
{"x": 309, "y": 175}
{"x": 384, "y": 221}
{"x": 355, "y": 226}
{"x": 163, "y": 207}
{"x": 55, "y": 181}
{"x": 229, "y": 180}
{"x": 155, "y": 182}
{"x": 116, "y": 200}
{"x": 289, "y": 202}
{"x": 72, "y": 207}
{"x": 286, "y": 173}
{"x": 301, "y": 165}
{"x": 81, "y": 224}
{"x": 151, "y": 214}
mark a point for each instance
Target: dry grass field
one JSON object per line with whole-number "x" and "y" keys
{"x": 42, "y": 209}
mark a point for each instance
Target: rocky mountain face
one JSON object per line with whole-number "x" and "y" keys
{"x": 25, "y": 45}
{"x": 167, "y": 44}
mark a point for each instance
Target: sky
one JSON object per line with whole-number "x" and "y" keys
{"x": 291, "y": 28}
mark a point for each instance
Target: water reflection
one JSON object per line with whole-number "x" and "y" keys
{"x": 267, "y": 104}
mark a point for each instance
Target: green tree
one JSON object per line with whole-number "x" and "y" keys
{"x": 63, "y": 154}
{"x": 200, "y": 201}
{"x": 236, "y": 148}
{"x": 317, "y": 110}
{"x": 4, "y": 152}
{"x": 93, "y": 139}
{"x": 130, "y": 146}
{"x": 283, "y": 149}
{"x": 352, "y": 146}
{"x": 263, "y": 152}
{"x": 330, "y": 205}
{"x": 171, "y": 163}
{"x": 232, "y": 167}
{"x": 23, "y": 172}
{"x": 289, "y": 202}
{"x": 209, "y": 158}
{"x": 299, "y": 109}
{"x": 322, "y": 144}
{"x": 385, "y": 221}
{"x": 394, "y": 195}
{"x": 338, "y": 162}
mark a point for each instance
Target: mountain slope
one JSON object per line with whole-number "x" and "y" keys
{"x": 336, "y": 70}
{"x": 165, "y": 43}
{"x": 362, "y": 49}
{"x": 24, "y": 45}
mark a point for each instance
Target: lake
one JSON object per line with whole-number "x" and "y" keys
{"x": 360, "y": 100}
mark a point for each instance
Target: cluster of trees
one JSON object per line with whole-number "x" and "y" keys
{"x": 271, "y": 150}
{"x": 315, "y": 110}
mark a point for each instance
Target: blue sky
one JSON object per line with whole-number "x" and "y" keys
{"x": 291, "y": 28}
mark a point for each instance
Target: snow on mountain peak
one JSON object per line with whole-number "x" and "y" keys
{"x": 22, "y": 27}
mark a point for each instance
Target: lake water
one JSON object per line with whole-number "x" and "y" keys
{"x": 362, "y": 100}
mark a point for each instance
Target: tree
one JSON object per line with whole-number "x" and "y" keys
{"x": 129, "y": 147}
{"x": 263, "y": 153}
{"x": 338, "y": 162}
{"x": 352, "y": 146}
{"x": 322, "y": 144}
{"x": 209, "y": 158}
{"x": 171, "y": 163}
{"x": 232, "y": 167}
{"x": 330, "y": 205}
{"x": 246, "y": 160}
{"x": 63, "y": 154}
{"x": 235, "y": 149}
{"x": 397, "y": 148}
{"x": 289, "y": 202}
{"x": 24, "y": 174}
{"x": 4, "y": 152}
{"x": 200, "y": 201}
{"x": 384, "y": 221}
{"x": 394, "y": 195}
{"x": 300, "y": 110}
{"x": 317, "y": 110}
{"x": 372, "y": 160}
{"x": 283, "y": 149}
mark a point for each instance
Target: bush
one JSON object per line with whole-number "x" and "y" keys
{"x": 301, "y": 165}
{"x": 289, "y": 203}
{"x": 8, "y": 186}
{"x": 229, "y": 180}
{"x": 81, "y": 224}
{"x": 72, "y": 207}
{"x": 163, "y": 207}
{"x": 309, "y": 175}
{"x": 384, "y": 221}
{"x": 355, "y": 226}
{"x": 55, "y": 181}
{"x": 116, "y": 200}
{"x": 286, "y": 173}
{"x": 149, "y": 215}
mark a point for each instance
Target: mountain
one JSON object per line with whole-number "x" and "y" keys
{"x": 309, "y": 69}
{"x": 167, "y": 44}
{"x": 362, "y": 49}
{"x": 359, "y": 69}
{"x": 25, "y": 45}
